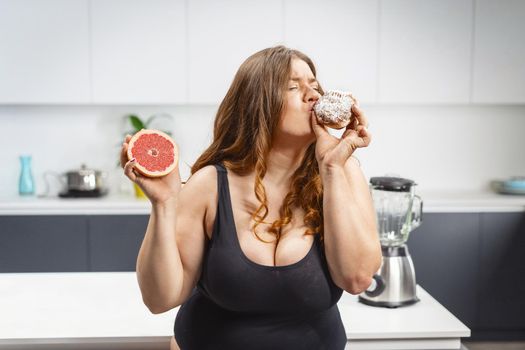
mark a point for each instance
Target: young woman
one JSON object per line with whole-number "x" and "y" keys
{"x": 274, "y": 223}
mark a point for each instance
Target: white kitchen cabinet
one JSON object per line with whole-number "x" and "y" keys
{"x": 341, "y": 39}
{"x": 44, "y": 51}
{"x": 499, "y": 52}
{"x": 139, "y": 51}
{"x": 425, "y": 51}
{"x": 222, "y": 34}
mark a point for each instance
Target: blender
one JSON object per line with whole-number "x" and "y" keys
{"x": 398, "y": 211}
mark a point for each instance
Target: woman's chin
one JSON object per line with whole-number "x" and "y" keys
{"x": 298, "y": 138}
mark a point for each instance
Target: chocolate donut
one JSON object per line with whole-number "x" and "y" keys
{"x": 333, "y": 109}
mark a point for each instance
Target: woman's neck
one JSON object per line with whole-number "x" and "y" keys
{"x": 281, "y": 163}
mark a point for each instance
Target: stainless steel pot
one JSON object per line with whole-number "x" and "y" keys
{"x": 85, "y": 179}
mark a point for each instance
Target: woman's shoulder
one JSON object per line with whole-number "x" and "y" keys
{"x": 203, "y": 180}
{"x": 201, "y": 193}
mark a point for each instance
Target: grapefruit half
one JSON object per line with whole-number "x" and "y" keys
{"x": 155, "y": 152}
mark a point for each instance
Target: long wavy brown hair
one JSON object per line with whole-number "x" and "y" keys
{"x": 242, "y": 137}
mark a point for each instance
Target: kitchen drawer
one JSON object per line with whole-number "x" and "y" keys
{"x": 114, "y": 241}
{"x": 43, "y": 243}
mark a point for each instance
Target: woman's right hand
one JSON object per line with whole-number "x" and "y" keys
{"x": 158, "y": 189}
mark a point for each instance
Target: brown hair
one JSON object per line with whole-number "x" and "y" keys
{"x": 242, "y": 137}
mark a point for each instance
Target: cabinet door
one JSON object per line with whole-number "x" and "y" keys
{"x": 341, "y": 40}
{"x": 44, "y": 51}
{"x": 222, "y": 34}
{"x": 502, "y": 271}
{"x": 139, "y": 51}
{"x": 43, "y": 244}
{"x": 425, "y": 50}
{"x": 499, "y": 52}
{"x": 445, "y": 252}
{"x": 114, "y": 241}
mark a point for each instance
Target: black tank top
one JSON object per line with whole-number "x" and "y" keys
{"x": 240, "y": 304}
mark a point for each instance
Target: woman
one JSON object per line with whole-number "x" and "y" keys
{"x": 274, "y": 223}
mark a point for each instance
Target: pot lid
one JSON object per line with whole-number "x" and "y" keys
{"x": 84, "y": 170}
{"x": 388, "y": 183}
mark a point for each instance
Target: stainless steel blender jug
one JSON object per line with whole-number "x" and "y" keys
{"x": 398, "y": 211}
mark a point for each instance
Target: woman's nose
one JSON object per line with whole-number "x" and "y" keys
{"x": 312, "y": 95}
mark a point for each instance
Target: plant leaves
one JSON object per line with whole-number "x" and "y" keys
{"x": 136, "y": 122}
{"x": 150, "y": 119}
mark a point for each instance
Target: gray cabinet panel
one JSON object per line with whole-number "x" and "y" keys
{"x": 502, "y": 271}
{"x": 115, "y": 241}
{"x": 445, "y": 253}
{"x": 43, "y": 243}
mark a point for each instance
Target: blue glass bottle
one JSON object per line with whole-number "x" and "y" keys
{"x": 26, "y": 185}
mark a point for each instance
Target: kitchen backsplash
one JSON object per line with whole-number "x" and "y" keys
{"x": 455, "y": 147}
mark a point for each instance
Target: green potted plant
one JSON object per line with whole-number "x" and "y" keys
{"x": 138, "y": 124}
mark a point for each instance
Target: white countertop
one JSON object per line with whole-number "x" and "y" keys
{"x": 471, "y": 201}
{"x": 48, "y": 310}
{"x": 108, "y": 205}
{"x": 436, "y": 201}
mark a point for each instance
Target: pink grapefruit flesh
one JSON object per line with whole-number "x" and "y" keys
{"x": 155, "y": 152}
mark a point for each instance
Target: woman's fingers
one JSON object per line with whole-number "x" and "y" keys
{"x": 364, "y": 136}
{"x": 353, "y": 122}
{"x": 354, "y": 100}
{"x": 359, "y": 115}
{"x": 358, "y": 138}
{"x": 316, "y": 126}
{"x": 124, "y": 151}
{"x": 128, "y": 170}
{"x": 124, "y": 155}
{"x": 349, "y": 130}
{"x": 356, "y": 134}
{"x": 357, "y": 118}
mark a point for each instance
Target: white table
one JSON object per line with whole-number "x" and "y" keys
{"x": 104, "y": 310}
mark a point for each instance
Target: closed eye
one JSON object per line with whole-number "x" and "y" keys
{"x": 295, "y": 87}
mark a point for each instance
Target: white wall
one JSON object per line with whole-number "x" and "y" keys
{"x": 440, "y": 147}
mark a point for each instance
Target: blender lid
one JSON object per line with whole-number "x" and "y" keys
{"x": 387, "y": 183}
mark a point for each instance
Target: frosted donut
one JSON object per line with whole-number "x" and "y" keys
{"x": 334, "y": 109}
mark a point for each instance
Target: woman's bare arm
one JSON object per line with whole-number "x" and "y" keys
{"x": 170, "y": 257}
{"x": 352, "y": 247}
{"x": 159, "y": 267}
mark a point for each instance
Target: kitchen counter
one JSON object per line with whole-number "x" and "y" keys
{"x": 448, "y": 201}
{"x": 108, "y": 205}
{"x": 433, "y": 201}
{"x": 104, "y": 310}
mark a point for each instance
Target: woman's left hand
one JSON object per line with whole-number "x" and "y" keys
{"x": 332, "y": 151}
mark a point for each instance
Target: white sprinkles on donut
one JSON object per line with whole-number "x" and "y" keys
{"x": 334, "y": 107}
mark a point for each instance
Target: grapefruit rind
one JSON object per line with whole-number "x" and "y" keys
{"x": 140, "y": 168}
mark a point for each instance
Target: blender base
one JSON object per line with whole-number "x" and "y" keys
{"x": 388, "y": 304}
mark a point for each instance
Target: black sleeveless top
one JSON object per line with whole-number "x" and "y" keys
{"x": 240, "y": 304}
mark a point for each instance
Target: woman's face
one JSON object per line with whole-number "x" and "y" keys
{"x": 301, "y": 94}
